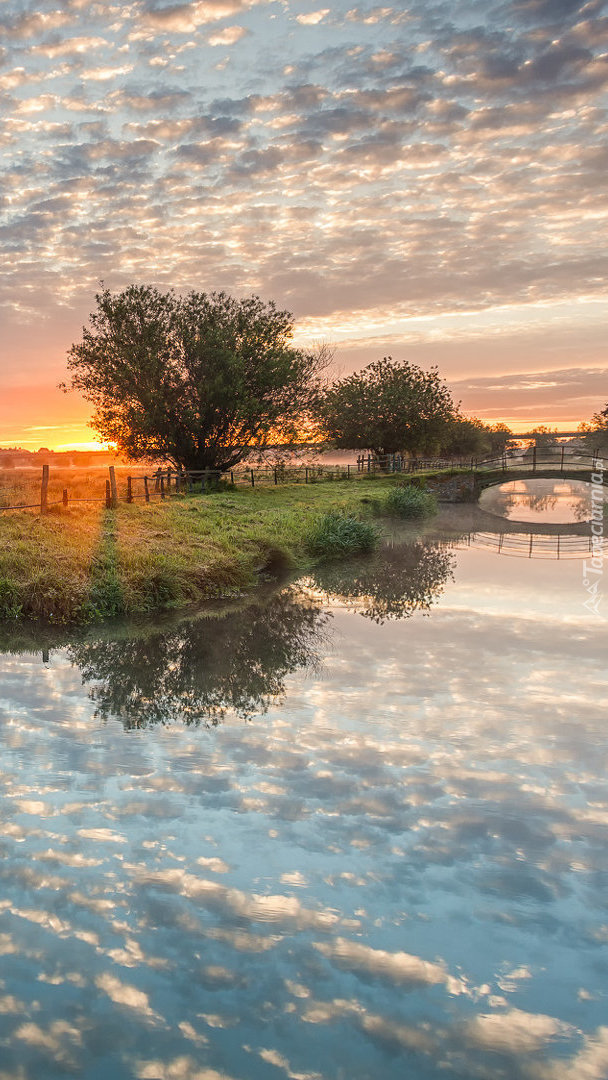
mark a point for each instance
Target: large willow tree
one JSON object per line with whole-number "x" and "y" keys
{"x": 196, "y": 380}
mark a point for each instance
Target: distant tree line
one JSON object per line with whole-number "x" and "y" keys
{"x": 15, "y": 457}
{"x": 202, "y": 380}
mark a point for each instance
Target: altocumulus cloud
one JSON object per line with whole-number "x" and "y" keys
{"x": 354, "y": 162}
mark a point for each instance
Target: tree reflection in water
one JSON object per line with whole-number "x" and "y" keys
{"x": 396, "y": 582}
{"x": 199, "y": 670}
{"x": 538, "y": 503}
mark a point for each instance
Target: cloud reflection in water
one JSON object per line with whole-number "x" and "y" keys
{"x": 397, "y": 869}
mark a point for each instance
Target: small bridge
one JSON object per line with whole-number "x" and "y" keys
{"x": 538, "y": 466}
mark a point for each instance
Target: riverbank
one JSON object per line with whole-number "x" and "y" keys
{"x": 86, "y": 564}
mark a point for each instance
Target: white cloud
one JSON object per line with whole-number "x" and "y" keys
{"x": 400, "y": 967}
{"x": 229, "y": 36}
{"x": 313, "y": 17}
{"x": 515, "y": 1031}
{"x": 185, "y": 18}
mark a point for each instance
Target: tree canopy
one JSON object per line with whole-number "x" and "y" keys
{"x": 595, "y": 431}
{"x": 599, "y": 420}
{"x": 197, "y": 380}
{"x": 388, "y": 407}
{"x": 469, "y": 437}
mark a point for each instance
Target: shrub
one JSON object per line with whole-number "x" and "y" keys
{"x": 337, "y": 534}
{"x": 410, "y": 502}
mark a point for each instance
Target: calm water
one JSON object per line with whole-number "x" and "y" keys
{"x": 355, "y": 830}
{"x": 542, "y": 501}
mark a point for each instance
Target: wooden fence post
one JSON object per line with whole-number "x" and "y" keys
{"x": 44, "y": 490}
{"x": 157, "y": 479}
{"x": 129, "y": 490}
{"x": 108, "y": 496}
{"x": 232, "y": 477}
{"x": 162, "y": 486}
{"x": 561, "y": 469}
{"x": 534, "y": 458}
{"x": 65, "y": 497}
{"x": 113, "y": 487}
{"x": 146, "y": 489}
{"x": 169, "y": 474}
{"x": 252, "y": 479}
{"x": 276, "y": 479}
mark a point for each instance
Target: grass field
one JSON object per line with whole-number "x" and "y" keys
{"x": 22, "y": 486}
{"x": 87, "y": 563}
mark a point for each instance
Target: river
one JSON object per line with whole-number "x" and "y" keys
{"x": 354, "y": 828}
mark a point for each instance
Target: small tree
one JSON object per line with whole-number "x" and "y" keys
{"x": 465, "y": 438}
{"x": 544, "y": 439}
{"x": 599, "y": 420}
{"x": 470, "y": 437}
{"x": 197, "y": 380}
{"x": 500, "y": 438}
{"x": 388, "y": 407}
{"x": 595, "y": 432}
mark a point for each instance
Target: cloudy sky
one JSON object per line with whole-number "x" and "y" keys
{"x": 424, "y": 180}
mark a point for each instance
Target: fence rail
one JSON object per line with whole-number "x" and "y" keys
{"x": 167, "y": 483}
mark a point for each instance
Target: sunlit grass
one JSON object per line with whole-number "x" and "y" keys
{"x": 45, "y": 564}
{"x": 87, "y": 563}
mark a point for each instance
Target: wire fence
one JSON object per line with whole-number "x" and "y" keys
{"x": 48, "y": 489}
{"x": 58, "y": 489}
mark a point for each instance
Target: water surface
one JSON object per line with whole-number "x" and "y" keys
{"x": 540, "y": 501}
{"x": 356, "y": 829}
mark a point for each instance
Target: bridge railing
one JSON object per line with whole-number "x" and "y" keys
{"x": 558, "y": 460}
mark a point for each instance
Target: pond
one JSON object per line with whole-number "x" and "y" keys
{"x": 540, "y": 501}
{"x": 354, "y": 828}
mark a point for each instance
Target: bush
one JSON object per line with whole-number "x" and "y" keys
{"x": 410, "y": 502}
{"x": 337, "y": 535}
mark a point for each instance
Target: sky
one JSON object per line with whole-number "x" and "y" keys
{"x": 424, "y": 180}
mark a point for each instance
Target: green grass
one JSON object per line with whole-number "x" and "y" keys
{"x": 337, "y": 535}
{"x": 407, "y": 501}
{"x": 86, "y": 564}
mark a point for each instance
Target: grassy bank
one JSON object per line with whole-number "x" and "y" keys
{"x": 86, "y": 563}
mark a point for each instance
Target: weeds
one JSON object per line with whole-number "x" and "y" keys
{"x": 410, "y": 502}
{"x": 337, "y": 535}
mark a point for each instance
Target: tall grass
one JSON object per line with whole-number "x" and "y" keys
{"x": 338, "y": 535}
{"x": 410, "y": 502}
{"x": 87, "y": 563}
{"x": 21, "y": 487}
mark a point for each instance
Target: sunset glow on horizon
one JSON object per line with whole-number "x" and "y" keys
{"x": 421, "y": 180}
